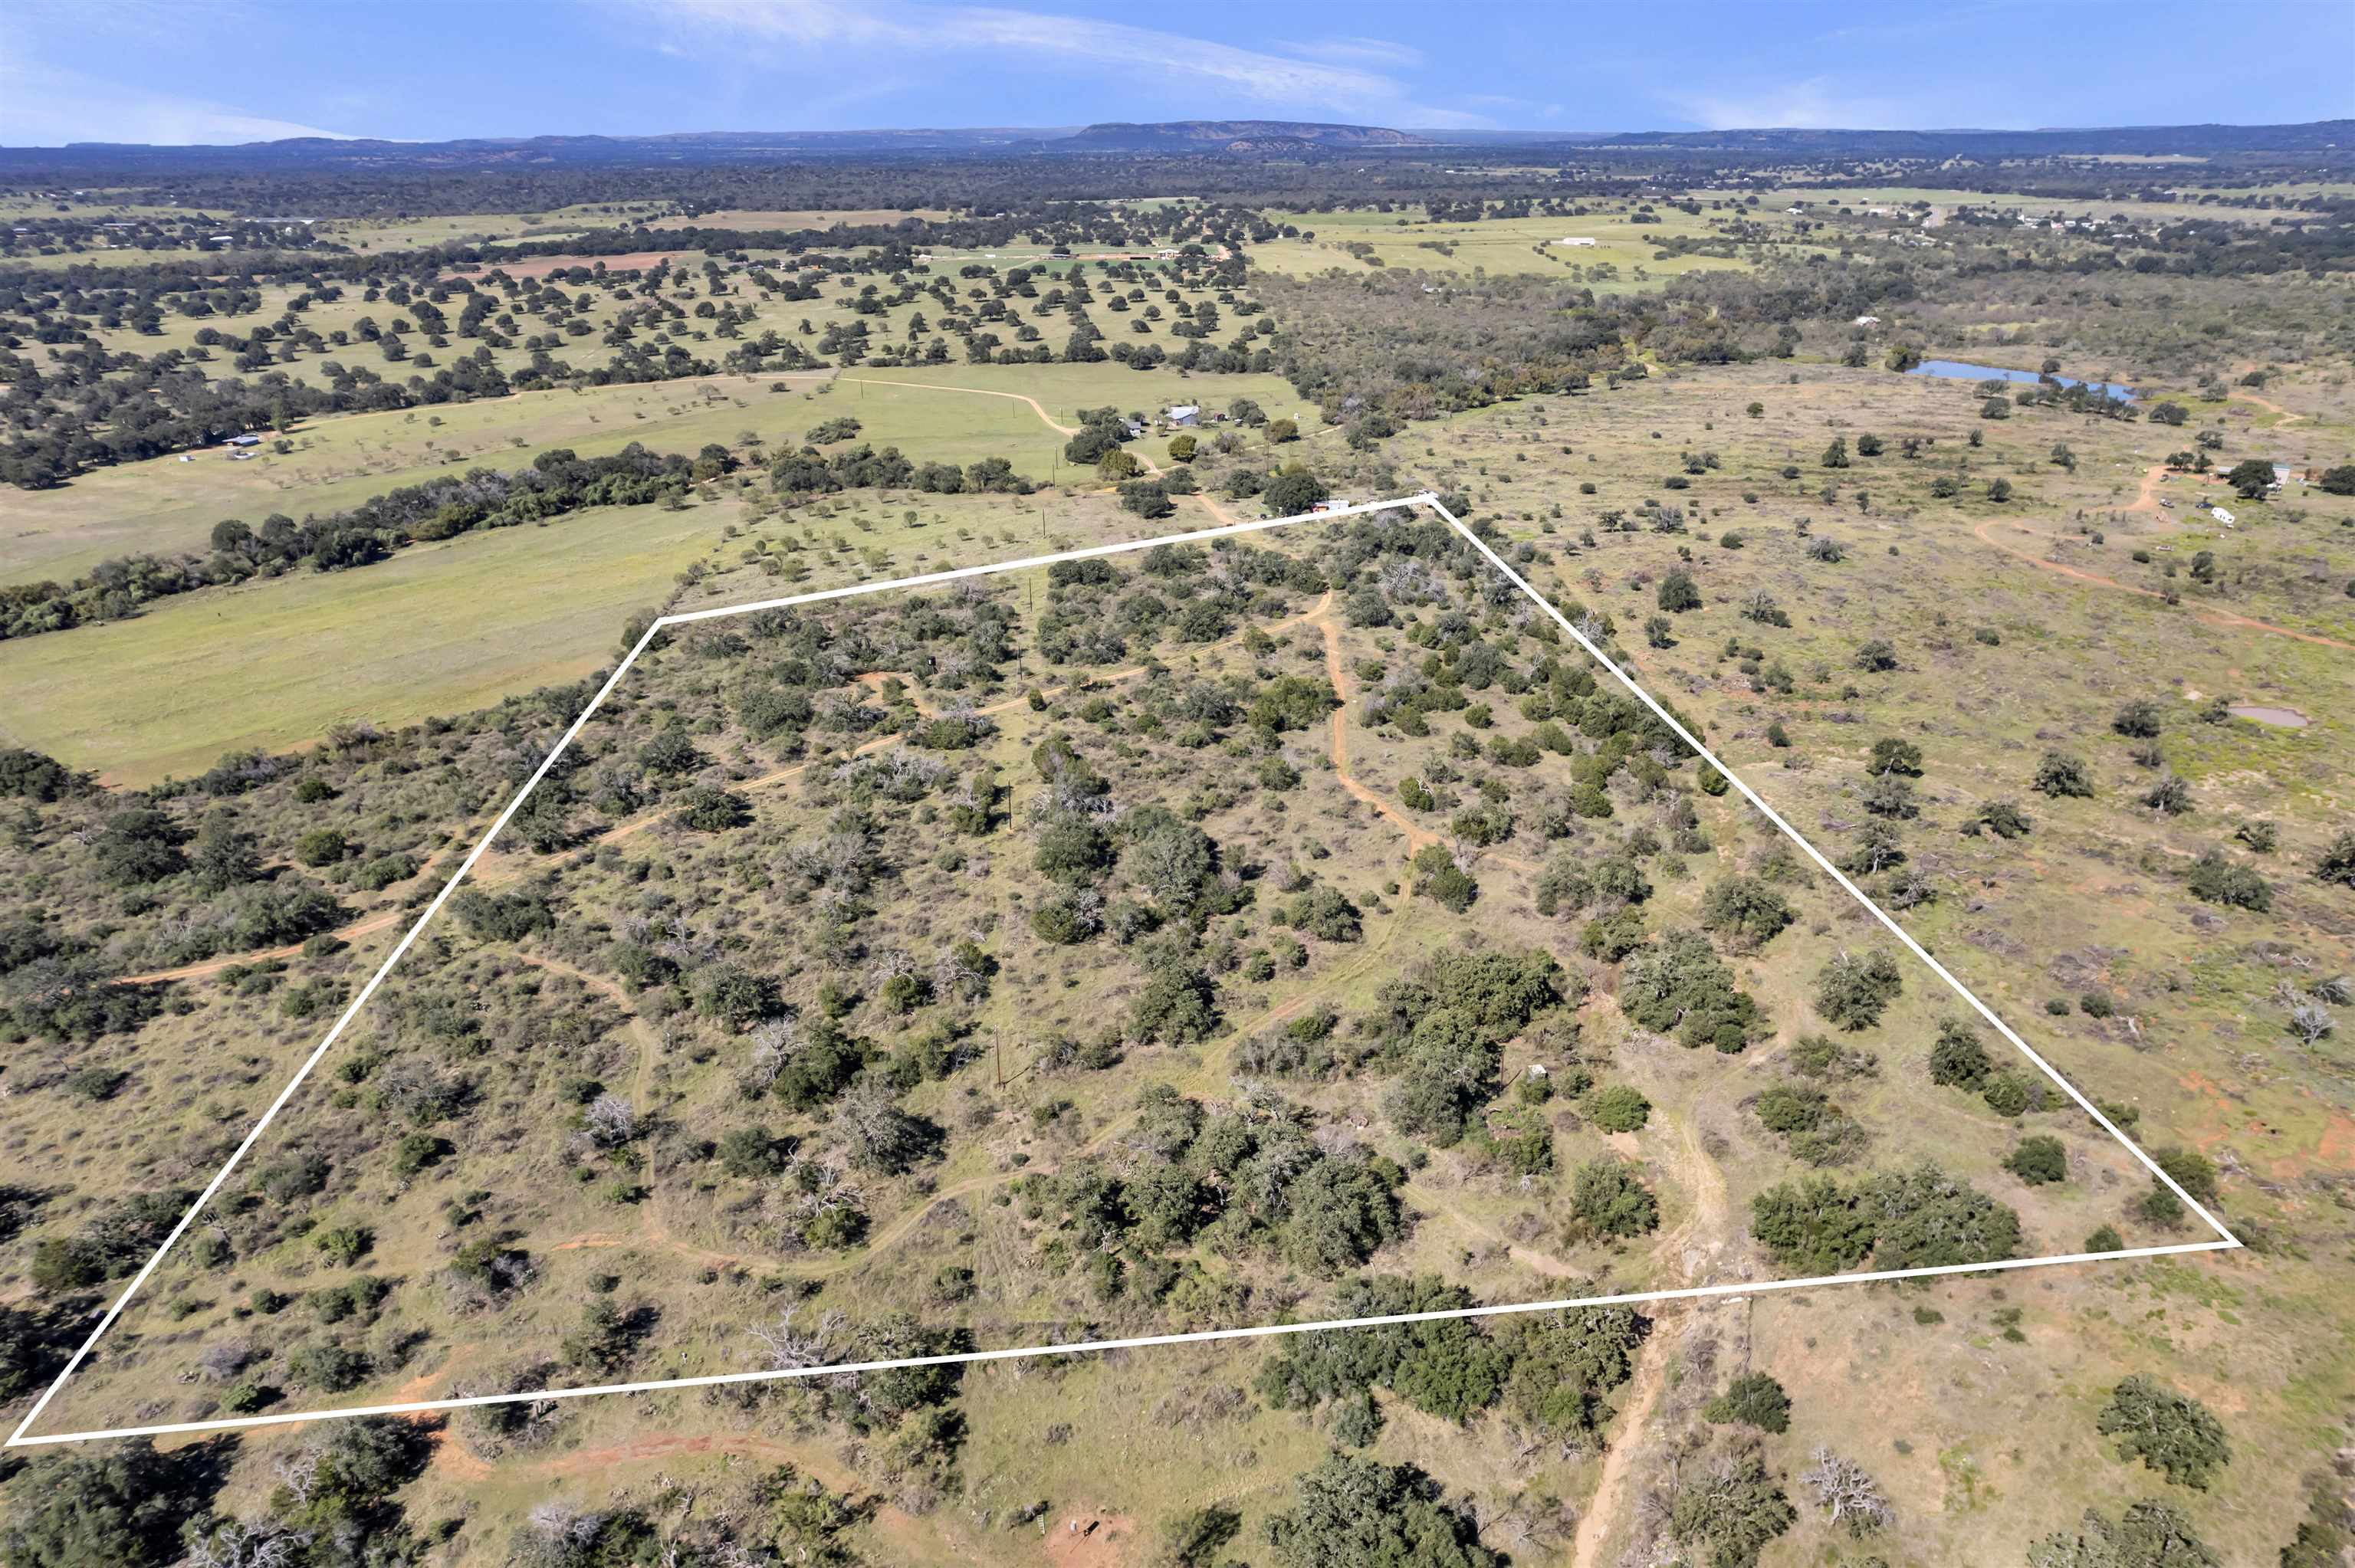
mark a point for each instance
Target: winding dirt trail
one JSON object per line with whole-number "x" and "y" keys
{"x": 2213, "y": 617}
{"x": 1711, "y": 1213}
{"x": 1611, "y": 1487}
{"x": 658, "y": 1235}
{"x": 1708, "y": 1217}
{"x": 1417, "y": 835}
{"x": 377, "y": 921}
{"x": 2269, "y": 405}
{"x": 1035, "y": 406}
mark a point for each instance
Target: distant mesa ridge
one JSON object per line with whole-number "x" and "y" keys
{"x": 1233, "y": 136}
{"x": 1175, "y": 138}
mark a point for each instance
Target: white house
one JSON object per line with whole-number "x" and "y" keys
{"x": 1184, "y": 414}
{"x": 1867, "y": 321}
{"x": 1579, "y": 240}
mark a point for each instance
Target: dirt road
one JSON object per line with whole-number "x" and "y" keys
{"x": 1035, "y": 406}
{"x": 1986, "y": 533}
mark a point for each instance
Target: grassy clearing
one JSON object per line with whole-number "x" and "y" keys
{"x": 439, "y": 629}
{"x": 2040, "y": 207}
{"x": 924, "y": 415}
{"x": 165, "y": 504}
{"x": 1626, "y": 257}
{"x": 447, "y": 628}
{"x": 757, "y": 218}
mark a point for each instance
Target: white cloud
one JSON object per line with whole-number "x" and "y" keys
{"x": 47, "y": 106}
{"x": 1299, "y": 88}
{"x": 1808, "y": 105}
{"x": 1359, "y": 51}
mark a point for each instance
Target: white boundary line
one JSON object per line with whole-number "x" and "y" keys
{"x": 1426, "y": 498}
{"x": 1142, "y": 1342}
{"x": 1916, "y": 948}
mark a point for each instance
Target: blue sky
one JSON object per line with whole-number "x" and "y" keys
{"x": 236, "y": 70}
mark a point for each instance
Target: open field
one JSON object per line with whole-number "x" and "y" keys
{"x": 1285, "y": 927}
{"x": 165, "y": 505}
{"x": 445, "y": 628}
{"x": 439, "y": 629}
{"x": 1857, "y": 198}
{"x": 1626, "y": 257}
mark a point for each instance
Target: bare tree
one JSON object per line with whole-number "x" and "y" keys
{"x": 299, "y": 1473}
{"x": 1849, "y": 1492}
{"x": 564, "y": 1525}
{"x": 612, "y": 1121}
{"x": 791, "y": 1349}
{"x": 264, "y": 1543}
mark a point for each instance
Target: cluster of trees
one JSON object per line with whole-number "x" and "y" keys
{"x": 1097, "y": 614}
{"x": 811, "y": 472}
{"x": 1547, "y": 1373}
{"x": 1442, "y": 1030}
{"x": 1912, "y": 1219}
{"x": 1232, "y": 1181}
{"x": 89, "y": 407}
{"x": 335, "y": 1503}
{"x": 557, "y": 482}
{"x": 93, "y": 409}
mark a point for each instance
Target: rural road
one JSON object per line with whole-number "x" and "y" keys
{"x": 2146, "y": 502}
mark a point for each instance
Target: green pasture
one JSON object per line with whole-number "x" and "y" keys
{"x": 1856, "y": 198}
{"x": 1498, "y": 246}
{"x": 440, "y": 629}
{"x": 600, "y": 302}
{"x": 165, "y": 504}
{"x": 452, "y": 627}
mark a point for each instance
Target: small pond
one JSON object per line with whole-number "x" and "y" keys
{"x": 1956, "y": 370}
{"x": 2287, "y": 718}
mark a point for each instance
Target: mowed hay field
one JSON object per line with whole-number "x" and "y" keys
{"x": 960, "y": 413}
{"x": 930, "y": 411}
{"x": 451, "y": 626}
{"x": 1501, "y": 247}
{"x": 165, "y": 506}
{"x": 439, "y": 629}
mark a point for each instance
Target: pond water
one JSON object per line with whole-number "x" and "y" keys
{"x": 2288, "y": 718}
{"x": 1957, "y": 370}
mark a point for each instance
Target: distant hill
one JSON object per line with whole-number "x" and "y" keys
{"x": 704, "y": 147}
{"x": 1239, "y": 137}
{"x": 1178, "y": 138}
{"x": 2320, "y": 135}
